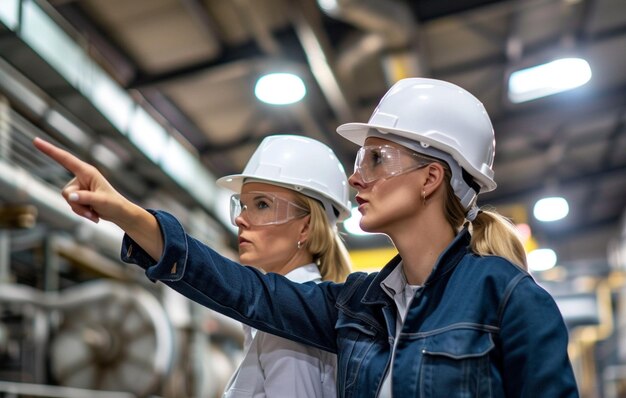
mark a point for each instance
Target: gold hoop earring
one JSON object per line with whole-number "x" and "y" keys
{"x": 424, "y": 197}
{"x": 299, "y": 245}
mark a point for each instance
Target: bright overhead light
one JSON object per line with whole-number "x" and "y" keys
{"x": 352, "y": 223}
{"x": 280, "y": 88}
{"x": 547, "y": 79}
{"x": 541, "y": 259}
{"x": 329, "y": 6}
{"x": 9, "y": 13}
{"x": 551, "y": 209}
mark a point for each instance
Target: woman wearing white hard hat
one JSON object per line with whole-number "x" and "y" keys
{"x": 469, "y": 320}
{"x": 455, "y": 314}
{"x": 290, "y": 196}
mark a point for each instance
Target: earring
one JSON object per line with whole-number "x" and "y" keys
{"x": 424, "y": 197}
{"x": 299, "y": 245}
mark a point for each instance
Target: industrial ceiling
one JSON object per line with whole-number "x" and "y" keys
{"x": 193, "y": 64}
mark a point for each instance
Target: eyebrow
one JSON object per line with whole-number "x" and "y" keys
{"x": 263, "y": 196}
{"x": 260, "y": 197}
{"x": 269, "y": 195}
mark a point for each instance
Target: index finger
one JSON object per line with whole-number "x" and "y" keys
{"x": 62, "y": 157}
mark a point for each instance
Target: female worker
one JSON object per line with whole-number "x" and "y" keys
{"x": 291, "y": 194}
{"x": 455, "y": 314}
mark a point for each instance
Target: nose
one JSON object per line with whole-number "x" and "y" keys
{"x": 356, "y": 181}
{"x": 241, "y": 221}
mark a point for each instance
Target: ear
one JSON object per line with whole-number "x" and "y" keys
{"x": 435, "y": 177}
{"x": 304, "y": 226}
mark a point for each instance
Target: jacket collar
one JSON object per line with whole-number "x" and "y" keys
{"x": 446, "y": 262}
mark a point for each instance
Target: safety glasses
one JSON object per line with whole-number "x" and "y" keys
{"x": 264, "y": 208}
{"x": 374, "y": 162}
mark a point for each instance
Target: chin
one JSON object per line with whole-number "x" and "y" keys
{"x": 367, "y": 227}
{"x": 246, "y": 258}
{"x": 371, "y": 226}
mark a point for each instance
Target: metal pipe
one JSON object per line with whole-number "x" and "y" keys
{"x": 41, "y": 390}
{"x": 389, "y": 30}
{"x": 310, "y": 36}
{"x": 101, "y": 291}
{"x": 17, "y": 183}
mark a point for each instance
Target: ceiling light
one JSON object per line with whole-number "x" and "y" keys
{"x": 547, "y": 79}
{"x": 352, "y": 223}
{"x": 280, "y": 88}
{"x": 328, "y": 6}
{"x": 9, "y": 13}
{"x": 541, "y": 259}
{"x": 551, "y": 209}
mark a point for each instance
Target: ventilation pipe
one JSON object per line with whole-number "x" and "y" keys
{"x": 390, "y": 33}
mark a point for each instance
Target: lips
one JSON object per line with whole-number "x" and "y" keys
{"x": 243, "y": 240}
{"x": 360, "y": 200}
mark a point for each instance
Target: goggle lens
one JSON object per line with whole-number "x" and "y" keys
{"x": 374, "y": 162}
{"x": 264, "y": 208}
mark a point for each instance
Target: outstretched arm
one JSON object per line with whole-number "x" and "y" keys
{"x": 158, "y": 243}
{"x": 90, "y": 195}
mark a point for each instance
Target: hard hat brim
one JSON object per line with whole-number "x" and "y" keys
{"x": 233, "y": 182}
{"x": 357, "y": 133}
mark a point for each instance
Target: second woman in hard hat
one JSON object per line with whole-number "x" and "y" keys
{"x": 455, "y": 314}
{"x": 289, "y": 198}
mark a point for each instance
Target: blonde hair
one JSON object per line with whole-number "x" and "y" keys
{"x": 324, "y": 243}
{"x": 492, "y": 234}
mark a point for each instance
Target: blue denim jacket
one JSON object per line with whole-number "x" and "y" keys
{"x": 480, "y": 327}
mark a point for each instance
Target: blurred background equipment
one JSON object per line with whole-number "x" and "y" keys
{"x": 112, "y": 336}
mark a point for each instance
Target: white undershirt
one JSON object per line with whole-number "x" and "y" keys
{"x": 396, "y": 282}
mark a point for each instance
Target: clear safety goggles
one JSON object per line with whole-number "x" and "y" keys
{"x": 264, "y": 208}
{"x": 374, "y": 162}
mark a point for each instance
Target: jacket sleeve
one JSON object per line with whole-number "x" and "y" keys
{"x": 534, "y": 344}
{"x": 304, "y": 313}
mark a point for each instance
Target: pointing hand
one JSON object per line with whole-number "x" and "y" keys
{"x": 89, "y": 194}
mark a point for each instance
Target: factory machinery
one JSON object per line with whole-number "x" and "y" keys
{"x": 74, "y": 320}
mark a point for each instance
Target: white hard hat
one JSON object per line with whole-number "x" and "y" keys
{"x": 436, "y": 117}
{"x": 299, "y": 163}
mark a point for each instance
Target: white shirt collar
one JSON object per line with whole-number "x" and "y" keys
{"x": 395, "y": 282}
{"x": 305, "y": 273}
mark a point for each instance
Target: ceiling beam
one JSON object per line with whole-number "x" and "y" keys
{"x": 502, "y": 60}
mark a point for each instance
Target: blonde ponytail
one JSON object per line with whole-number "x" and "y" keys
{"x": 325, "y": 244}
{"x": 492, "y": 234}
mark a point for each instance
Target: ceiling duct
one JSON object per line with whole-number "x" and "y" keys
{"x": 390, "y": 32}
